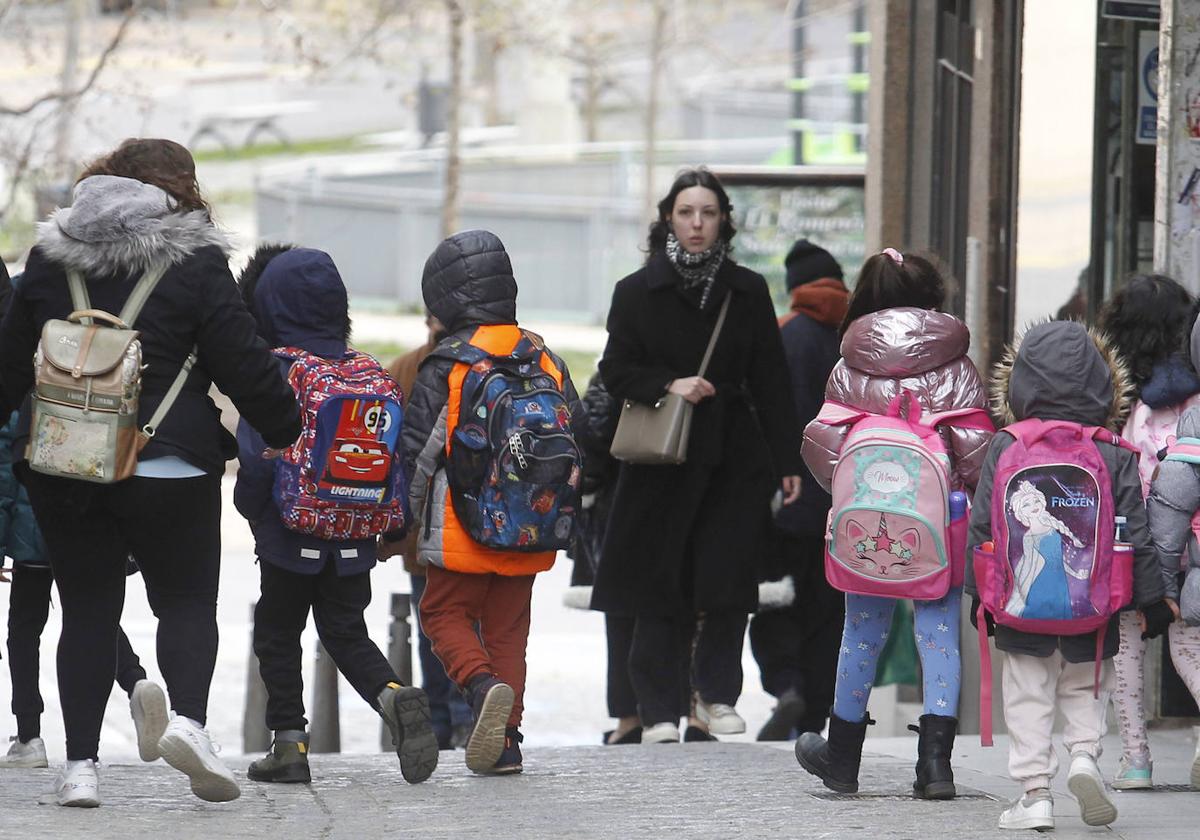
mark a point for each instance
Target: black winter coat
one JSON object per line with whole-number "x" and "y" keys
{"x": 687, "y": 538}
{"x": 195, "y": 303}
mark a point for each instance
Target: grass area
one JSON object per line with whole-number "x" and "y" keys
{"x": 581, "y": 364}
{"x": 305, "y": 147}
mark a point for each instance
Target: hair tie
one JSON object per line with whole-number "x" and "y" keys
{"x": 896, "y": 256}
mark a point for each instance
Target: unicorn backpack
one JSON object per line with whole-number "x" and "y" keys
{"x": 890, "y": 529}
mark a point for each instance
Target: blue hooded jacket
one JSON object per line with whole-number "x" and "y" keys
{"x": 299, "y": 300}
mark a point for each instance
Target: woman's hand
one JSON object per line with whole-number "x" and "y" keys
{"x": 791, "y": 488}
{"x": 693, "y": 388}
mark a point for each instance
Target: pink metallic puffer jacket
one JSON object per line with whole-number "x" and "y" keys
{"x": 918, "y": 350}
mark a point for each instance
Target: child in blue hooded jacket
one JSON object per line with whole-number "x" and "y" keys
{"x": 299, "y": 300}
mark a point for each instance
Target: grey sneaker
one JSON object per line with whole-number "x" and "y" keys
{"x": 31, "y": 753}
{"x": 148, "y": 708}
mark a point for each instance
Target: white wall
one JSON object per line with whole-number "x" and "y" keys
{"x": 1054, "y": 204}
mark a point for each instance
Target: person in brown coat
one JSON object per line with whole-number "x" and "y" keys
{"x": 451, "y": 715}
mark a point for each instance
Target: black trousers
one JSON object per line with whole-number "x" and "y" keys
{"x": 622, "y": 701}
{"x": 28, "y": 609}
{"x": 337, "y": 605}
{"x": 173, "y": 528}
{"x": 796, "y": 647}
{"x": 662, "y": 649}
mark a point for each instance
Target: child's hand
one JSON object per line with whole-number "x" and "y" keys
{"x": 4, "y": 575}
{"x": 271, "y": 454}
{"x": 1174, "y": 608}
{"x": 1155, "y": 619}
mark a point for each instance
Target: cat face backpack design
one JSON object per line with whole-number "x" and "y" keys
{"x": 343, "y": 478}
{"x": 1054, "y": 566}
{"x": 890, "y": 526}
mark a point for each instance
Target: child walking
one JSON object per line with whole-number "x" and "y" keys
{"x": 300, "y": 304}
{"x": 495, "y": 483}
{"x": 894, "y": 340}
{"x": 1062, "y": 373}
{"x": 1148, "y": 323}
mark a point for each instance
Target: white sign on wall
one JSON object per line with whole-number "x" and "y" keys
{"x": 1147, "y": 84}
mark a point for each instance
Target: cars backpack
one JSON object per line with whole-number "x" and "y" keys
{"x": 512, "y": 465}
{"x": 343, "y": 478}
{"x": 890, "y": 529}
{"x": 1053, "y": 566}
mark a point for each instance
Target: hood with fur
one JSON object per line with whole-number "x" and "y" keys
{"x": 117, "y": 225}
{"x": 1061, "y": 370}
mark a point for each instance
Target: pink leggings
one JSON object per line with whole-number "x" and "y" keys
{"x": 1128, "y": 697}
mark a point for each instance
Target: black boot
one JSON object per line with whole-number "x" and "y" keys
{"x": 935, "y": 779}
{"x": 835, "y": 762}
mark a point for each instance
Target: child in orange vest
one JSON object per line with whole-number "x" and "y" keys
{"x": 495, "y": 476}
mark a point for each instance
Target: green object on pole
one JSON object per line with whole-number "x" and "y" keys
{"x": 899, "y": 661}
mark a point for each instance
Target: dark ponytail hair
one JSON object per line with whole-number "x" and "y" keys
{"x": 883, "y": 283}
{"x": 1147, "y": 320}
{"x": 698, "y": 177}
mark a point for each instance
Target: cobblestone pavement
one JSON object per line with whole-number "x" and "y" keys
{"x": 688, "y": 791}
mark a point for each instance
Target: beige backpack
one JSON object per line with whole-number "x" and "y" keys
{"x": 87, "y": 380}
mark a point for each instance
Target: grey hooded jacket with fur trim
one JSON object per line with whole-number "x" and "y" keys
{"x": 1174, "y": 499}
{"x": 1060, "y": 371}
{"x": 115, "y": 228}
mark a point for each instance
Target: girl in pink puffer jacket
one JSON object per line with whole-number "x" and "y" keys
{"x": 894, "y": 339}
{"x": 1148, "y": 323}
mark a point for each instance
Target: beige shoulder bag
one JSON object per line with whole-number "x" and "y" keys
{"x": 659, "y": 433}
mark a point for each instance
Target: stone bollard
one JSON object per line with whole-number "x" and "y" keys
{"x": 325, "y": 732}
{"x": 399, "y": 653}
{"x": 256, "y": 738}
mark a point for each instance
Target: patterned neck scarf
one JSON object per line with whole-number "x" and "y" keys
{"x": 697, "y": 270}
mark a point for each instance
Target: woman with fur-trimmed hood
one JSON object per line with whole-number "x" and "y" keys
{"x": 1060, "y": 371}
{"x": 135, "y": 208}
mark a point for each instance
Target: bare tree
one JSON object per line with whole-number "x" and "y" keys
{"x": 457, "y": 22}
{"x": 658, "y": 39}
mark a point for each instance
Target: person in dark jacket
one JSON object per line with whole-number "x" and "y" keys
{"x": 1061, "y": 372}
{"x": 796, "y": 646}
{"x": 684, "y": 540}
{"x": 140, "y": 206}
{"x": 476, "y": 605}
{"x": 300, "y": 301}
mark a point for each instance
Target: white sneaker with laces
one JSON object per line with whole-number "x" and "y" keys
{"x": 1087, "y": 786}
{"x": 1034, "y": 811}
{"x": 78, "y": 786}
{"x": 661, "y": 733}
{"x": 148, "y": 708}
{"x": 720, "y": 718}
{"x": 31, "y": 753}
{"x": 187, "y": 746}
{"x": 1196, "y": 766}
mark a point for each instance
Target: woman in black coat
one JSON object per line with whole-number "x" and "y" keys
{"x": 683, "y": 540}
{"x": 137, "y": 207}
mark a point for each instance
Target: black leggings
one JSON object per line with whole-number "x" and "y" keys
{"x": 28, "y": 609}
{"x": 173, "y": 528}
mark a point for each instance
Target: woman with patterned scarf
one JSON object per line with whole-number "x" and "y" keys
{"x": 683, "y": 541}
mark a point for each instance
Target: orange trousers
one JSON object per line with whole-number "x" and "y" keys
{"x": 455, "y": 605}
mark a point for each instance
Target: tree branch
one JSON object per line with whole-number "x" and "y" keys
{"x": 68, "y": 95}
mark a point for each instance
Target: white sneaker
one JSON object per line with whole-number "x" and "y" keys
{"x": 148, "y": 708}
{"x": 1195, "y": 767}
{"x": 661, "y": 733}
{"x": 720, "y": 719}
{"x": 1087, "y": 786}
{"x": 78, "y": 786}
{"x": 31, "y": 753}
{"x": 187, "y": 746}
{"x": 1033, "y": 811}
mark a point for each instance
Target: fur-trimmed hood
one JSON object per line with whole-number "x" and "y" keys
{"x": 1061, "y": 370}
{"x": 117, "y": 225}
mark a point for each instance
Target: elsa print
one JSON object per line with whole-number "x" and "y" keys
{"x": 1040, "y": 586}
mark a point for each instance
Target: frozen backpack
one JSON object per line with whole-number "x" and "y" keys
{"x": 890, "y": 528}
{"x": 1054, "y": 566}
{"x": 343, "y": 478}
{"x": 512, "y": 464}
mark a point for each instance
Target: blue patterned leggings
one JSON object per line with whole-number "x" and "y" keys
{"x": 868, "y": 621}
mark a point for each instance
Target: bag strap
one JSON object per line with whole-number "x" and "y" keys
{"x": 172, "y": 394}
{"x": 962, "y": 418}
{"x": 141, "y": 293}
{"x": 79, "y": 295}
{"x": 985, "y": 678}
{"x": 716, "y": 333}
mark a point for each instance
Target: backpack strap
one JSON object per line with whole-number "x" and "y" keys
{"x": 172, "y": 394}
{"x": 1032, "y": 430}
{"x": 1184, "y": 449}
{"x": 141, "y": 293}
{"x": 962, "y": 418}
{"x": 79, "y": 295}
{"x": 839, "y": 414}
{"x": 985, "y": 678}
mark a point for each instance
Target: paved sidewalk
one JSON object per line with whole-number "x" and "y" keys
{"x": 689, "y": 791}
